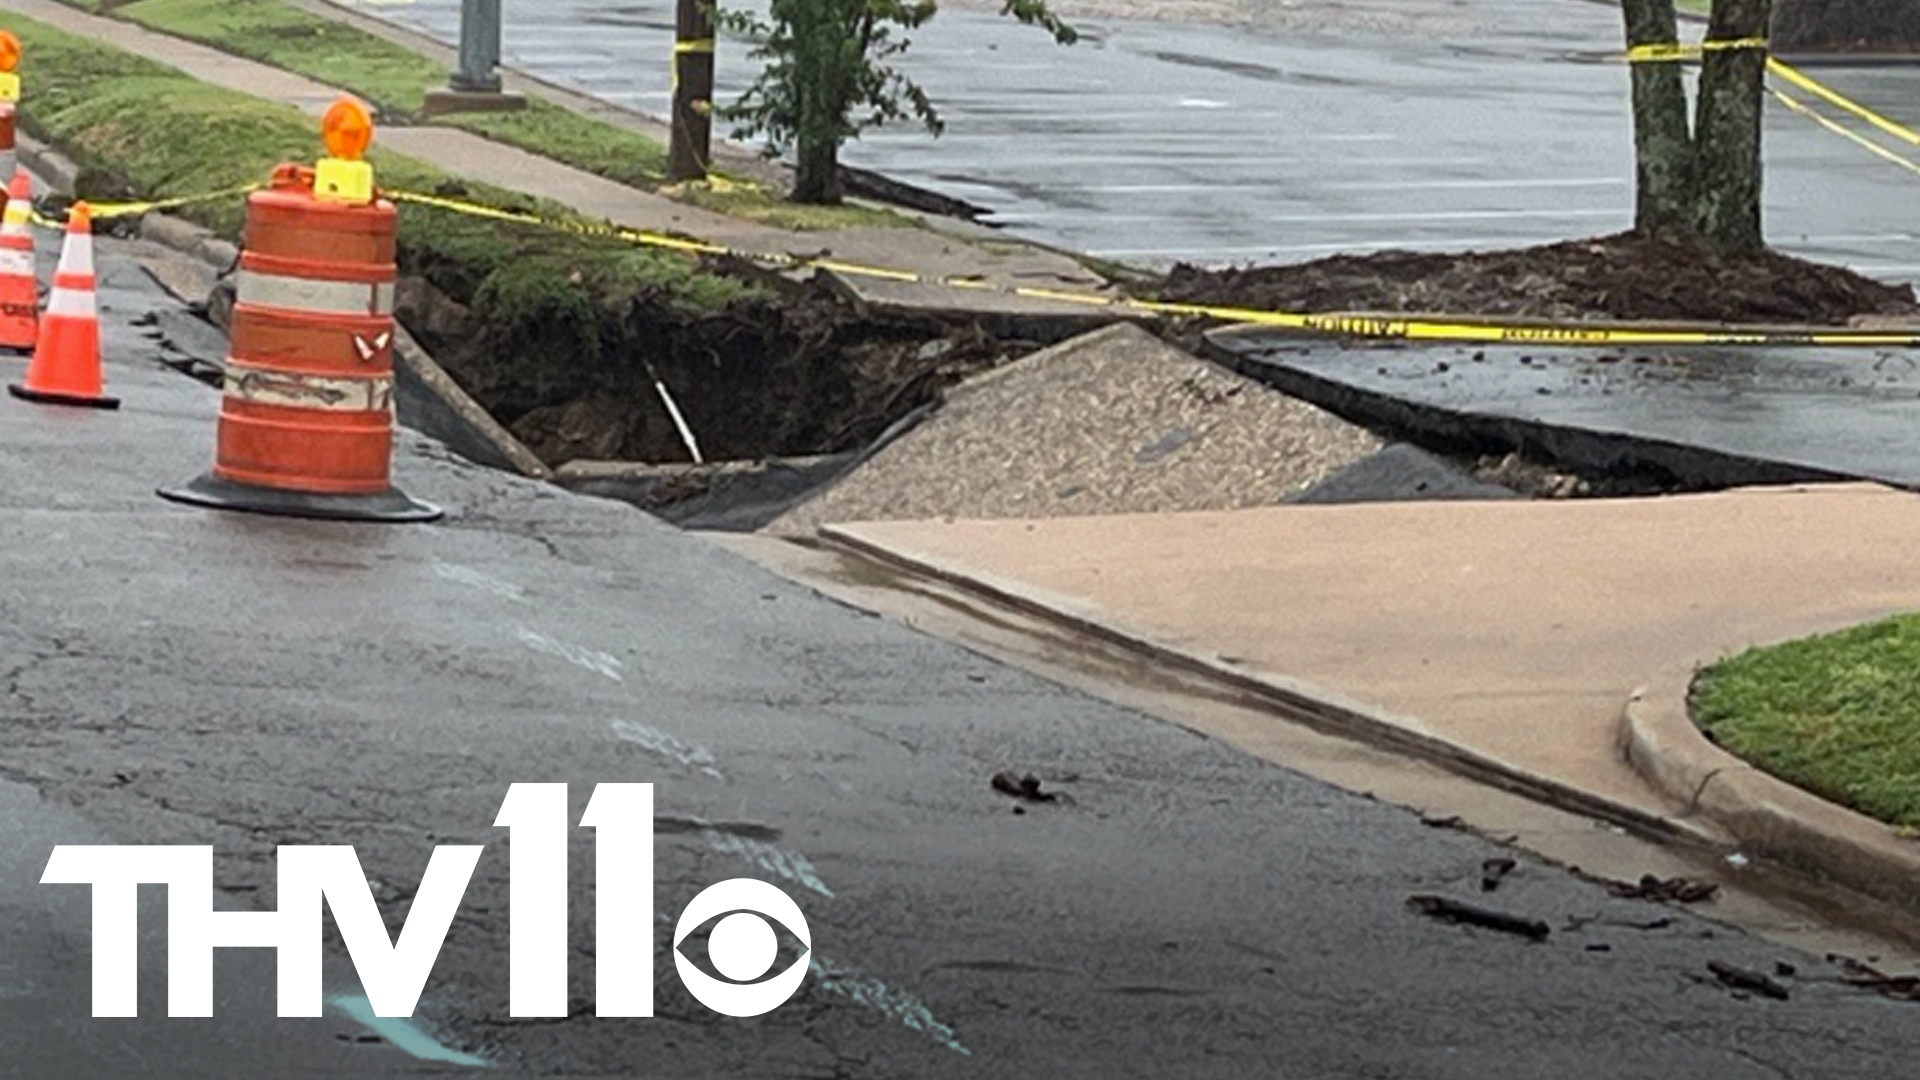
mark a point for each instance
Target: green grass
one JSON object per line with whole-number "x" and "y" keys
{"x": 1838, "y": 715}
{"x": 753, "y": 203}
{"x": 395, "y": 80}
{"x": 142, "y": 130}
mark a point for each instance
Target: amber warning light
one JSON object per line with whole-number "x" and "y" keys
{"x": 342, "y": 176}
{"x": 9, "y": 60}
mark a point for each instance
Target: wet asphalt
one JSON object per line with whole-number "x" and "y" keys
{"x": 189, "y": 677}
{"x": 1157, "y": 142}
{"x": 1714, "y": 416}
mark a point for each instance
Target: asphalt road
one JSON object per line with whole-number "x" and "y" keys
{"x": 187, "y": 677}
{"x": 1760, "y": 415}
{"x": 1493, "y": 123}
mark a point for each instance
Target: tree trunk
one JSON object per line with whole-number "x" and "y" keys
{"x": 1859, "y": 25}
{"x": 1662, "y": 144}
{"x": 691, "y": 145}
{"x": 817, "y": 171}
{"x": 1727, "y": 140}
{"x": 1703, "y": 185}
{"x": 821, "y": 98}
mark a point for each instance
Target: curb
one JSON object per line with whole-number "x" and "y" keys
{"x": 1770, "y": 818}
{"x": 1309, "y": 706}
{"x": 441, "y": 409}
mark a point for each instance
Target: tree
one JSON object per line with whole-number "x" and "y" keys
{"x": 1868, "y": 25}
{"x": 1699, "y": 183}
{"x": 828, "y": 77}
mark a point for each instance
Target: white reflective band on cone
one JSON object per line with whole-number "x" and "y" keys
{"x": 73, "y": 303}
{"x": 16, "y": 263}
{"x": 76, "y": 257}
{"x": 312, "y": 294}
{"x": 308, "y": 391}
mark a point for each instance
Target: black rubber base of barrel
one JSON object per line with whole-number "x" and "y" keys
{"x": 44, "y": 398}
{"x": 389, "y": 506}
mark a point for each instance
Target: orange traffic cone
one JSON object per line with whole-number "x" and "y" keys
{"x": 9, "y": 154}
{"x": 66, "y": 361}
{"x": 19, "y": 288}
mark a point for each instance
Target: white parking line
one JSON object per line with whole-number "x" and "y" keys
{"x": 468, "y": 576}
{"x": 403, "y": 1035}
{"x": 874, "y": 994}
{"x": 787, "y": 864}
{"x": 687, "y": 755}
{"x": 1392, "y": 185}
{"x": 598, "y": 662}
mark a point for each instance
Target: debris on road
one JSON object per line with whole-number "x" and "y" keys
{"x": 1493, "y": 870}
{"x": 1864, "y": 976}
{"x": 1754, "y": 982}
{"x": 1025, "y": 788}
{"x": 1453, "y": 911}
{"x": 1679, "y": 889}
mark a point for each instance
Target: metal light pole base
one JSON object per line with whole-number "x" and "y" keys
{"x": 459, "y": 99}
{"x": 389, "y": 506}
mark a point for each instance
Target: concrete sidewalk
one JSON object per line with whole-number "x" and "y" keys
{"x": 921, "y": 251}
{"x": 1503, "y": 639}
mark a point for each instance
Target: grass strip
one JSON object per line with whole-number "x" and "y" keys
{"x": 1838, "y": 715}
{"x": 139, "y": 129}
{"x": 395, "y": 80}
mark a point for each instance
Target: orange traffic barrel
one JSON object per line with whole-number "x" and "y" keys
{"x": 9, "y": 153}
{"x": 306, "y": 422}
{"x": 19, "y": 283}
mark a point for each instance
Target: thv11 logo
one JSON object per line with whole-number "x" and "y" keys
{"x": 394, "y": 972}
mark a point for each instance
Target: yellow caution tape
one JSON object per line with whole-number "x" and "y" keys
{"x": 1460, "y": 330}
{"x": 1802, "y": 81}
{"x": 1464, "y": 330}
{"x": 101, "y": 210}
{"x": 1668, "y": 53}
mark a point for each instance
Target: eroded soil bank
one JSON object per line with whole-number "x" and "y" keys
{"x": 1612, "y": 277}
{"x": 788, "y": 369}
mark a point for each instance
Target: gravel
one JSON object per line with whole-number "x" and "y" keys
{"x": 1114, "y": 422}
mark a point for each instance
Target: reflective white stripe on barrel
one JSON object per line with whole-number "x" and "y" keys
{"x": 15, "y": 263}
{"x": 308, "y": 391}
{"x": 313, "y": 294}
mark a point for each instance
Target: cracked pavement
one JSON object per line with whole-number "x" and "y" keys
{"x": 186, "y": 677}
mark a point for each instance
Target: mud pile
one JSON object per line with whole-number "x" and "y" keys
{"x": 1609, "y": 277}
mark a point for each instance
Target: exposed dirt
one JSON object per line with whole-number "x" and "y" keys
{"x": 1616, "y": 277}
{"x": 802, "y": 375}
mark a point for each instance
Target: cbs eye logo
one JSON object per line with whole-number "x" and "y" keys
{"x": 742, "y": 947}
